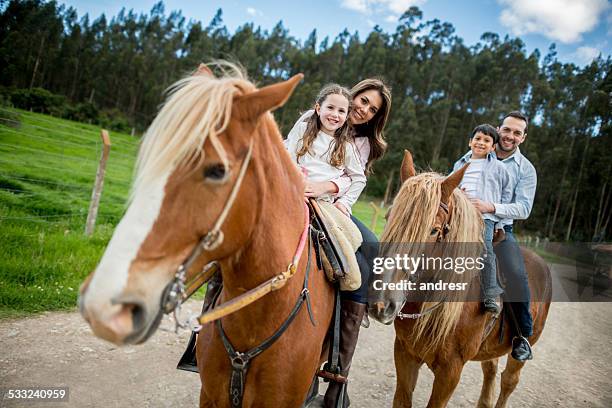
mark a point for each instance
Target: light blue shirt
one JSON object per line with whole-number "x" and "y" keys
{"x": 523, "y": 181}
{"x": 495, "y": 184}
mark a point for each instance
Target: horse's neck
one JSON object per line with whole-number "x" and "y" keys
{"x": 275, "y": 236}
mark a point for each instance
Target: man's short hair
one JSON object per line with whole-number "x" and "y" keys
{"x": 517, "y": 115}
{"x": 486, "y": 129}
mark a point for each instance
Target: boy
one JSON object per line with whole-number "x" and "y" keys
{"x": 486, "y": 179}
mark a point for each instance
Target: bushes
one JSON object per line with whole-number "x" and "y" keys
{"x": 43, "y": 101}
{"x": 39, "y": 100}
{"x": 81, "y": 112}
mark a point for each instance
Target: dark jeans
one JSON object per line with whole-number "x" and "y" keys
{"x": 365, "y": 258}
{"x": 512, "y": 267}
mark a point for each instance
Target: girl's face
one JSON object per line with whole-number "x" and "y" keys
{"x": 332, "y": 113}
{"x": 365, "y": 106}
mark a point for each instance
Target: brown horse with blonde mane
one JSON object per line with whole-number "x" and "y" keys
{"x": 447, "y": 333}
{"x": 213, "y": 161}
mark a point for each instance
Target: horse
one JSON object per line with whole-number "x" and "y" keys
{"x": 446, "y": 334}
{"x": 214, "y": 183}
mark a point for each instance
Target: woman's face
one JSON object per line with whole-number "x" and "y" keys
{"x": 365, "y": 106}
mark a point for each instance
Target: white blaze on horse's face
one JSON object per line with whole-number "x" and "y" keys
{"x": 105, "y": 303}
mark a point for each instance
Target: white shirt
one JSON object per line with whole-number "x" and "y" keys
{"x": 363, "y": 149}
{"x": 472, "y": 178}
{"x": 317, "y": 163}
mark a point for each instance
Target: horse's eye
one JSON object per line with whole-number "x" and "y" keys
{"x": 215, "y": 172}
{"x": 434, "y": 231}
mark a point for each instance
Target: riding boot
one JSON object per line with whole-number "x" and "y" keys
{"x": 188, "y": 360}
{"x": 352, "y": 313}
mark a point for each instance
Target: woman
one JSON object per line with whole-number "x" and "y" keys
{"x": 368, "y": 117}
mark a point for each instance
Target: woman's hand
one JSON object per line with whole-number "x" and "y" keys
{"x": 319, "y": 188}
{"x": 342, "y": 208}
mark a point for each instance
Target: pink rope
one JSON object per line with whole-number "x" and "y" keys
{"x": 303, "y": 237}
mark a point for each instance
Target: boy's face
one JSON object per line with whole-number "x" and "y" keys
{"x": 481, "y": 145}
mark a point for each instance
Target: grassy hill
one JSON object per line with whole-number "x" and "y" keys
{"x": 47, "y": 170}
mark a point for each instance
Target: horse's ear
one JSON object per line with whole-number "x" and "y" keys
{"x": 204, "y": 70}
{"x": 407, "y": 169}
{"x": 451, "y": 182}
{"x": 271, "y": 97}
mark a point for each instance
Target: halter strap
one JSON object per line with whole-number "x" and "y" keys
{"x": 179, "y": 291}
{"x": 264, "y": 288}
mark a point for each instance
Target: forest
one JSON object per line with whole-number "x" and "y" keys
{"x": 114, "y": 70}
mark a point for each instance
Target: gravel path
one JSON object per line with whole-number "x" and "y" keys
{"x": 572, "y": 365}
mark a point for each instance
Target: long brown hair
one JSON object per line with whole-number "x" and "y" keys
{"x": 313, "y": 127}
{"x": 374, "y": 129}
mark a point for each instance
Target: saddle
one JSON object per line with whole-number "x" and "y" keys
{"x": 336, "y": 239}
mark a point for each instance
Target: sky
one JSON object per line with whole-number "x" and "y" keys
{"x": 581, "y": 29}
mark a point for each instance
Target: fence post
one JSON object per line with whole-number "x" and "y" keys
{"x": 97, "y": 190}
{"x": 377, "y": 211}
{"x": 388, "y": 189}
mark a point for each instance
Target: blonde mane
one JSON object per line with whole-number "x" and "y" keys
{"x": 413, "y": 215}
{"x": 198, "y": 107}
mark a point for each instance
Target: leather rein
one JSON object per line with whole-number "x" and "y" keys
{"x": 181, "y": 288}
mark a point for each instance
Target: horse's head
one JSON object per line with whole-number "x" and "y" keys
{"x": 423, "y": 213}
{"x": 193, "y": 178}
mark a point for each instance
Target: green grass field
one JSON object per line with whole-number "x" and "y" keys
{"x": 47, "y": 170}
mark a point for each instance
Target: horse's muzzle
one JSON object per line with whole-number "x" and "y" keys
{"x": 383, "y": 311}
{"x": 126, "y": 320}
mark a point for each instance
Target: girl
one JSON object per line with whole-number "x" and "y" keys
{"x": 322, "y": 147}
{"x": 371, "y": 104}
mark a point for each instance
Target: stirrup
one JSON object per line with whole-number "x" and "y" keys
{"x": 335, "y": 377}
{"x": 188, "y": 359}
{"x": 524, "y": 341}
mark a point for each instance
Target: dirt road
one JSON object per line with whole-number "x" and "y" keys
{"x": 572, "y": 365}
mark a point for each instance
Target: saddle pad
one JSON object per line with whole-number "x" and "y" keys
{"x": 348, "y": 237}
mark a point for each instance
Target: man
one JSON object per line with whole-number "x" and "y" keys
{"x": 523, "y": 181}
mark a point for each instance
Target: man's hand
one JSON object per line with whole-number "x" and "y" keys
{"x": 342, "y": 208}
{"x": 316, "y": 189}
{"x": 483, "y": 206}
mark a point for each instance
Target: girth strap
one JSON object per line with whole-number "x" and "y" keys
{"x": 240, "y": 361}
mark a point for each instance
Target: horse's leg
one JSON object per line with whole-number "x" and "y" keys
{"x": 487, "y": 394}
{"x": 447, "y": 376}
{"x": 407, "y": 370}
{"x": 205, "y": 402}
{"x": 509, "y": 380}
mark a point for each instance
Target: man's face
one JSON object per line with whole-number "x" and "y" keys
{"x": 511, "y": 134}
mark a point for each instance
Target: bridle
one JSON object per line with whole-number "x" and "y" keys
{"x": 181, "y": 288}
{"x": 441, "y": 235}
{"x": 445, "y": 228}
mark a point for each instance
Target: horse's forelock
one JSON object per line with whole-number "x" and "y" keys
{"x": 197, "y": 108}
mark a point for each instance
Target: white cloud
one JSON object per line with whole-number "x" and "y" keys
{"x": 584, "y": 55}
{"x": 357, "y": 5}
{"x": 371, "y": 23}
{"x": 253, "y": 12}
{"x": 380, "y": 6}
{"x": 391, "y": 18}
{"x": 561, "y": 20}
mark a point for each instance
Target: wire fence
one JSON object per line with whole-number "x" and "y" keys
{"x": 48, "y": 168}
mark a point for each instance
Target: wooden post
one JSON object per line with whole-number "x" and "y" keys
{"x": 388, "y": 189}
{"x": 377, "y": 211}
{"x": 97, "y": 190}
